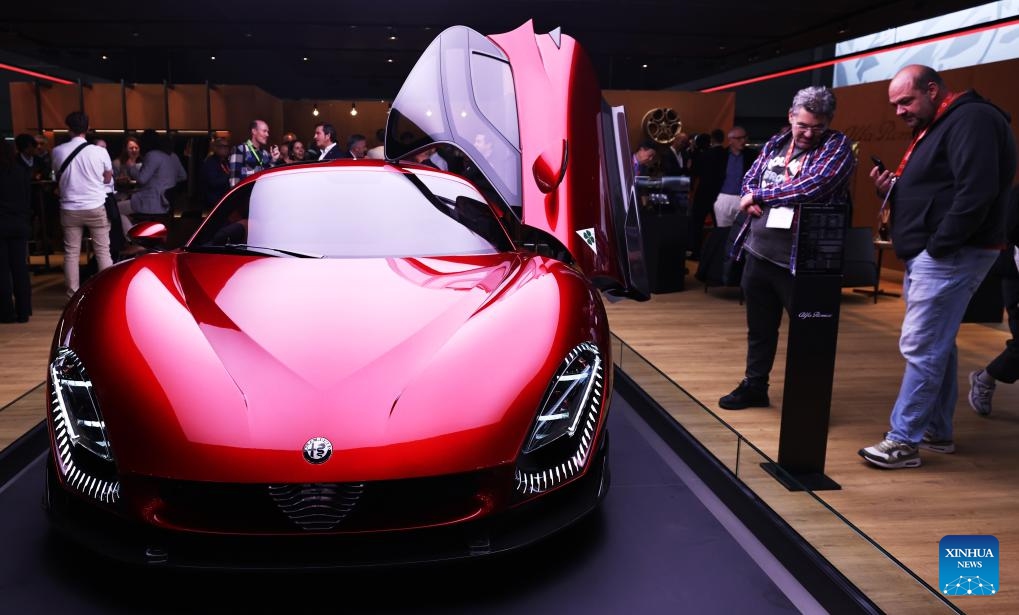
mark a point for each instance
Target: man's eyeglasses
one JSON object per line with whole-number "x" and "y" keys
{"x": 810, "y": 127}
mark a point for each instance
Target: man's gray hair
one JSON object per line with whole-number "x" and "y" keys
{"x": 818, "y": 100}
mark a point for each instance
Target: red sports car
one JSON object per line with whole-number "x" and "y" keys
{"x": 364, "y": 362}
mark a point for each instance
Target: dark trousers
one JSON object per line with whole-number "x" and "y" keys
{"x": 1005, "y": 367}
{"x": 14, "y": 280}
{"x": 695, "y": 231}
{"x": 767, "y": 292}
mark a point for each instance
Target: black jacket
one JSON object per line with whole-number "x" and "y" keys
{"x": 15, "y": 206}
{"x": 336, "y": 153}
{"x": 955, "y": 188}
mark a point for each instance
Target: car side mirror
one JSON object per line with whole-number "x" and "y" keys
{"x": 149, "y": 235}
{"x": 550, "y": 168}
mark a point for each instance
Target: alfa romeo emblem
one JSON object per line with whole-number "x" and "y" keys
{"x": 317, "y": 450}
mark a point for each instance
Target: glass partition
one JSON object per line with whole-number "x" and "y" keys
{"x": 889, "y": 584}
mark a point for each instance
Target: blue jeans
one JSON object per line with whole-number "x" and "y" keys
{"x": 937, "y": 292}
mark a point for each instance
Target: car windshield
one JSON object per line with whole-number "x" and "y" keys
{"x": 352, "y": 212}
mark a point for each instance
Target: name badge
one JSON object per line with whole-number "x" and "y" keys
{"x": 780, "y": 217}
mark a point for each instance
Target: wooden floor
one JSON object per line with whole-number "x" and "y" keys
{"x": 697, "y": 340}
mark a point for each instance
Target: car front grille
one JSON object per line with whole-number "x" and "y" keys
{"x": 317, "y": 507}
{"x": 331, "y": 508}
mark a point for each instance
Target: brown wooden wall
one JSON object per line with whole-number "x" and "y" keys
{"x": 698, "y": 112}
{"x": 228, "y": 109}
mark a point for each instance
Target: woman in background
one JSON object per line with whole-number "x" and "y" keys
{"x": 297, "y": 152}
{"x": 126, "y": 168}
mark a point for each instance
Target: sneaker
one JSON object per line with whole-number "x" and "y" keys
{"x": 980, "y": 393}
{"x": 746, "y": 395}
{"x": 891, "y": 454}
{"x": 938, "y": 446}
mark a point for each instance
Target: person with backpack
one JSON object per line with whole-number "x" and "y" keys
{"x": 83, "y": 173}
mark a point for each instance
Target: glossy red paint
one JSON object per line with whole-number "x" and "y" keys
{"x": 558, "y": 98}
{"x": 215, "y": 364}
{"x": 214, "y": 378}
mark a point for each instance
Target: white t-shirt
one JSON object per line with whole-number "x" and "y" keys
{"x": 81, "y": 184}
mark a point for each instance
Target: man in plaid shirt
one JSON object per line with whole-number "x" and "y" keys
{"x": 805, "y": 163}
{"x": 253, "y": 155}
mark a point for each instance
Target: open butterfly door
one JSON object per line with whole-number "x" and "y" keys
{"x": 527, "y": 111}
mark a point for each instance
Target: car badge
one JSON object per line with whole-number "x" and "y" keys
{"x": 317, "y": 450}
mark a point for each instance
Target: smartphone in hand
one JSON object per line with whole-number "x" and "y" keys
{"x": 877, "y": 162}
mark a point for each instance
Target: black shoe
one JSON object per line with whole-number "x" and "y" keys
{"x": 746, "y": 395}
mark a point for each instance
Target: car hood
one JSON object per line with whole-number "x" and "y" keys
{"x": 409, "y": 366}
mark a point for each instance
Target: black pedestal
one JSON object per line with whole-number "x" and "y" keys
{"x": 664, "y": 233}
{"x": 809, "y": 370}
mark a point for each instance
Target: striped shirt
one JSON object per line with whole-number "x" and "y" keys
{"x": 245, "y": 160}
{"x": 820, "y": 175}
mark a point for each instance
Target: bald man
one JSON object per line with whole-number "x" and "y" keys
{"x": 948, "y": 198}
{"x": 253, "y": 155}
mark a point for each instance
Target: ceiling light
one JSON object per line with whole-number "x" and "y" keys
{"x": 314, "y": 110}
{"x": 105, "y": 57}
{"x": 390, "y": 60}
{"x": 392, "y": 37}
{"x": 212, "y": 58}
{"x": 643, "y": 65}
{"x": 353, "y": 108}
{"x": 305, "y": 58}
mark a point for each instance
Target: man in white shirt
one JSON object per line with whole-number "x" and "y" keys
{"x": 83, "y": 189}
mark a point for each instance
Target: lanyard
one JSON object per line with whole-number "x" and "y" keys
{"x": 937, "y": 114}
{"x": 789, "y": 155}
{"x": 253, "y": 152}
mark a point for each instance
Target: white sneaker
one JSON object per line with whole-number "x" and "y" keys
{"x": 891, "y": 454}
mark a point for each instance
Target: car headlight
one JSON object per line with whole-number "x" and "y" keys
{"x": 562, "y": 437}
{"x": 83, "y": 449}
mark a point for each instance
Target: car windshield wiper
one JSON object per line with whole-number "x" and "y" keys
{"x": 245, "y": 247}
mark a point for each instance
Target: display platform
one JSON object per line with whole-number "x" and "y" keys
{"x": 660, "y": 544}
